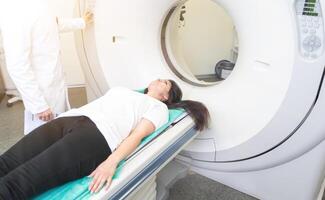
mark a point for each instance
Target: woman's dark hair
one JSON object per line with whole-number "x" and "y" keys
{"x": 196, "y": 110}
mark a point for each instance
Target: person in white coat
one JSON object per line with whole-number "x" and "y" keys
{"x": 32, "y": 51}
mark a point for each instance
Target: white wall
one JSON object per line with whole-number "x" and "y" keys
{"x": 206, "y": 38}
{"x": 69, "y": 57}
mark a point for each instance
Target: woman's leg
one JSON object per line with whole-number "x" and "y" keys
{"x": 74, "y": 156}
{"x": 33, "y": 144}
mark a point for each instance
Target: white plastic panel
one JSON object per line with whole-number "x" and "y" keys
{"x": 201, "y": 149}
{"x": 96, "y": 83}
{"x": 311, "y": 28}
{"x": 130, "y": 54}
{"x": 263, "y": 101}
{"x": 260, "y": 104}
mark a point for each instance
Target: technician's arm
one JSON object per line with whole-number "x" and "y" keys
{"x": 105, "y": 171}
{"x": 73, "y": 24}
{"x": 17, "y": 41}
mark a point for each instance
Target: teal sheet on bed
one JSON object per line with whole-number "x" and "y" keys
{"x": 78, "y": 189}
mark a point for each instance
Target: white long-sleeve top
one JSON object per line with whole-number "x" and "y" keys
{"x": 32, "y": 51}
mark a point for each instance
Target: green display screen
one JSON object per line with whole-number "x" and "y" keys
{"x": 310, "y": 14}
{"x": 307, "y": 5}
{"x": 309, "y": 8}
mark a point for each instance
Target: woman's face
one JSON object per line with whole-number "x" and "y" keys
{"x": 160, "y": 87}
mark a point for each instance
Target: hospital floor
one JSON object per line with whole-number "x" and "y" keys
{"x": 192, "y": 187}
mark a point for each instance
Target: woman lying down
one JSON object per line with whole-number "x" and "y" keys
{"x": 91, "y": 140}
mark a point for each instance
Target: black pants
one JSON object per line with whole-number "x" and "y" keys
{"x": 60, "y": 151}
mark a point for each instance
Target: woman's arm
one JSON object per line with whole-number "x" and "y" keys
{"x": 105, "y": 171}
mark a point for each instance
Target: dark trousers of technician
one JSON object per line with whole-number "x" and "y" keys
{"x": 60, "y": 151}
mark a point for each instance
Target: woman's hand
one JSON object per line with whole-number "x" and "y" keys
{"x": 105, "y": 171}
{"x": 102, "y": 174}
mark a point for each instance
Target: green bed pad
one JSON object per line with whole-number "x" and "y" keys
{"x": 78, "y": 189}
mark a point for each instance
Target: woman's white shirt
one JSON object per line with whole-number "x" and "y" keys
{"x": 118, "y": 112}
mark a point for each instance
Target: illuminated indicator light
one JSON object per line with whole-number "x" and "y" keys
{"x": 309, "y": 5}
{"x": 310, "y": 14}
{"x": 308, "y": 9}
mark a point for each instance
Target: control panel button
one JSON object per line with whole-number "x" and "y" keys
{"x": 314, "y": 56}
{"x": 312, "y": 43}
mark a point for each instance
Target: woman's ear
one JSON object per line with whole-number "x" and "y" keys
{"x": 165, "y": 97}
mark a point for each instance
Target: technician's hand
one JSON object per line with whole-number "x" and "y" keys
{"x": 102, "y": 174}
{"x": 46, "y": 115}
{"x": 88, "y": 17}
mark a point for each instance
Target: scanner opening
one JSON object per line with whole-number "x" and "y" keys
{"x": 199, "y": 42}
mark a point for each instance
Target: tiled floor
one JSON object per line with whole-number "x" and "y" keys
{"x": 196, "y": 187}
{"x": 9, "y": 118}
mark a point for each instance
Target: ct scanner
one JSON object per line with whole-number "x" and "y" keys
{"x": 267, "y": 134}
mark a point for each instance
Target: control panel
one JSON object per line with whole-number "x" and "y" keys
{"x": 311, "y": 28}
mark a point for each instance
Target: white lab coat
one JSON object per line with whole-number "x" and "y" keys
{"x": 32, "y": 51}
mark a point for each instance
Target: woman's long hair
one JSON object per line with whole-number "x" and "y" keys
{"x": 195, "y": 109}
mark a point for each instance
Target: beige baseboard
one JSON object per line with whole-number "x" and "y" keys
{"x": 2, "y": 95}
{"x": 2, "y": 88}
